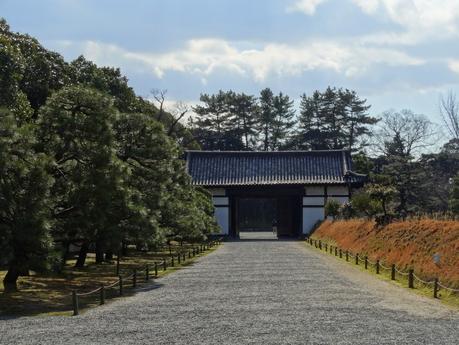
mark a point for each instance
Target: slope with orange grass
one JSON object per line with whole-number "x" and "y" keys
{"x": 407, "y": 244}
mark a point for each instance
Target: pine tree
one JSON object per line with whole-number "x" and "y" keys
{"x": 283, "y": 120}
{"x": 25, "y": 240}
{"x": 266, "y": 118}
{"x": 333, "y": 119}
{"x": 76, "y": 129}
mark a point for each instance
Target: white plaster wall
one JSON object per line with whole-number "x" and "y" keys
{"x": 314, "y": 190}
{"x": 313, "y": 200}
{"x": 340, "y": 199}
{"x": 311, "y": 215}
{"x": 337, "y": 190}
{"x": 220, "y": 200}
{"x": 222, "y": 216}
{"x": 217, "y": 191}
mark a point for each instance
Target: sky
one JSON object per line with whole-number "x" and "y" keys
{"x": 398, "y": 54}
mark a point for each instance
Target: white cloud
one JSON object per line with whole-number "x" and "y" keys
{"x": 306, "y": 6}
{"x": 420, "y": 20}
{"x": 203, "y": 57}
{"x": 454, "y": 65}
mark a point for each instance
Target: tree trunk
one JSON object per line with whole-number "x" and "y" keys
{"x": 65, "y": 254}
{"x": 99, "y": 252}
{"x": 124, "y": 249}
{"x": 11, "y": 278}
{"x": 82, "y": 255}
{"x": 109, "y": 256}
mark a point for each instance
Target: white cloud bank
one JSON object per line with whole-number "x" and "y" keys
{"x": 306, "y": 6}
{"x": 202, "y": 57}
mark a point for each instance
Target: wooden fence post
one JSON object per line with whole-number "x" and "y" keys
{"x": 357, "y": 258}
{"x": 164, "y": 265}
{"x": 121, "y": 286}
{"x": 435, "y": 292}
{"x": 377, "y": 266}
{"x": 172, "y": 261}
{"x": 134, "y": 278}
{"x": 411, "y": 279}
{"x": 340, "y": 253}
{"x": 320, "y": 244}
{"x": 102, "y": 294}
{"x": 347, "y": 255}
{"x": 184, "y": 257}
{"x": 326, "y": 247}
{"x": 366, "y": 262}
{"x": 189, "y": 254}
{"x": 178, "y": 258}
{"x": 392, "y": 272}
{"x": 156, "y": 269}
{"x": 336, "y": 251}
{"x": 147, "y": 273}
{"x": 76, "y": 309}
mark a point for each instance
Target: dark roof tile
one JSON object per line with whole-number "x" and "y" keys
{"x": 236, "y": 168}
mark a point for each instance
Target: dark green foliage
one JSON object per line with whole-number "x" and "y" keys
{"x": 332, "y": 208}
{"x": 25, "y": 220}
{"x": 454, "y": 197}
{"x": 76, "y": 130}
{"x": 83, "y": 160}
{"x": 275, "y": 119}
{"x": 333, "y": 119}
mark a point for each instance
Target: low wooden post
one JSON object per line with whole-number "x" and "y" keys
{"x": 184, "y": 257}
{"x": 331, "y": 249}
{"x": 392, "y": 272}
{"x": 411, "y": 279}
{"x": 347, "y": 255}
{"x": 178, "y": 259}
{"x": 164, "y": 265}
{"x": 377, "y": 266}
{"x": 326, "y": 247}
{"x": 156, "y": 269}
{"x": 76, "y": 309}
{"x": 340, "y": 253}
{"x": 366, "y": 262}
{"x": 102, "y": 294}
{"x": 320, "y": 244}
{"x": 121, "y": 285}
{"x": 435, "y": 291}
{"x": 134, "y": 278}
{"x": 357, "y": 258}
{"x": 336, "y": 251}
{"x": 189, "y": 254}
{"x": 172, "y": 261}
{"x": 147, "y": 273}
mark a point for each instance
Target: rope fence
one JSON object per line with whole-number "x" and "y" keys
{"x": 145, "y": 273}
{"x": 435, "y": 284}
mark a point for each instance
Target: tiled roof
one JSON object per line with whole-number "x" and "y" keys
{"x": 239, "y": 168}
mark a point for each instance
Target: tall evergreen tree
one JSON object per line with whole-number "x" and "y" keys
{"x": 25, "y": 220}
{"x": 211, "y": 125}
{"x": 333, "y": 119}
{"x": 283, "y": 120}
{"x": 76, "y": 129}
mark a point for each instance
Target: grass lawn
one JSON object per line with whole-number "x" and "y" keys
{"x": 50, "y": 294}
{"x": 445, "y": 296}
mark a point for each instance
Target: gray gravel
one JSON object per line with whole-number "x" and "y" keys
{"x": 254, "y": 292}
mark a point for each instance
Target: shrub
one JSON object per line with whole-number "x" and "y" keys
{"x": 332, "y": 208}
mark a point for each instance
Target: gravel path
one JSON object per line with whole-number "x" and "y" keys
{"x": 254, "y": 292}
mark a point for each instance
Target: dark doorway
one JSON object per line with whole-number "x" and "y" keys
{"x": 256, "y": 214}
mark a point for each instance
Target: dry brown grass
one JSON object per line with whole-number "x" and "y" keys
{"x": 51, "y": 293}
{"x": 407, "y": 244}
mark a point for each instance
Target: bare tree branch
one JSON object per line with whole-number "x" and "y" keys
{"x": 449, "y": 111}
